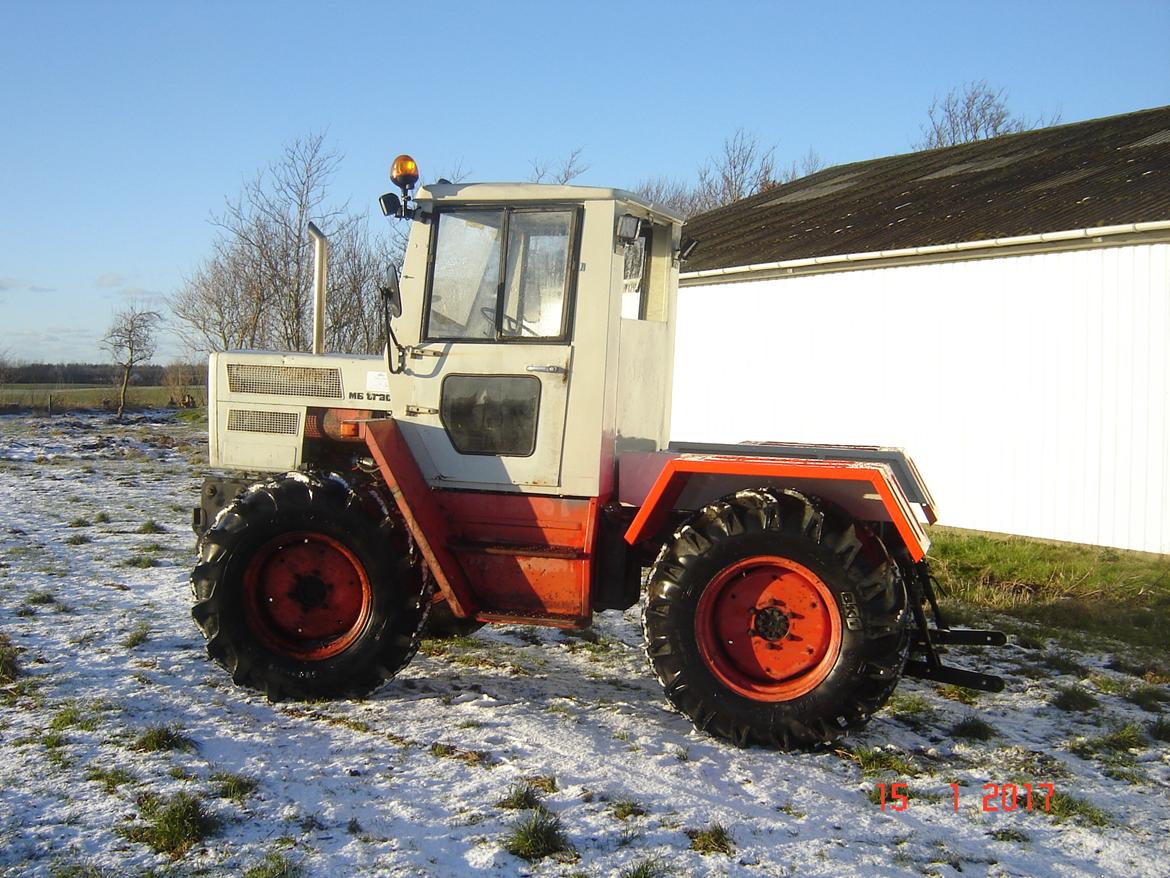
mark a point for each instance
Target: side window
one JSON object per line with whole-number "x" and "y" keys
{"x": 466, "y": 275}
{"x": 534, "y": 284}
{"x": 636, "y": 275}
{"x": 491, "y": 414}
{"x": 471, "y": 299}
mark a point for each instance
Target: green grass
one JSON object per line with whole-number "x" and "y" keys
{"x": 1073, "y": 699}
{"x": 233, "y": 786}
{"x": 274, "y": 865}
{"x": 712, "y": 839}
{"x": 110, "y": 778}
{"x": 138, "y": 636}
{"x": 624, "y": 809}
{"x": 172, "y": 826}
{"x": 79, "y": 522}
{"x": 1148, "y": 697}
{"x": 535, "y": 836}
{"x": 651, "y": 868}
{"x": 77, "y": 540}
{"x": 521, "y": 796}
{"x": 9, "y": 666}
{"x": 72, "y": 717}
{"x": 101, "y": 518}
{"x": 150, "y": 526}
{"x": 140, "y": 561}
{"x": 1099, "y": 591}
{"x": 972, "y": 728}
{"x": 471, "y": 757}
{"x": 41, "y": 598}
{"x": 81, "y": 396}
{"x": 1159, "y": 729}
{"x": 1120, "y": 740}
{"x": 162, "y": 738}
{"x": 874, "y": 761}
{"x": 1067, "y": 807}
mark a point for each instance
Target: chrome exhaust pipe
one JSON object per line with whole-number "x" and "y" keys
{"x": 320, "y": 273}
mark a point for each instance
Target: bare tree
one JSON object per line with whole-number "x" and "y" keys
{"x": 131, "y": 342}
{"x": 183, "y": 382}
{"x": 809, "y": 163}
{"x": 671, "y": 193}
{"x": 569, "y": 169}
{"x": 974, "y": 111}
{"x": 743, "y": 168}
{"x": 255, "y": 290}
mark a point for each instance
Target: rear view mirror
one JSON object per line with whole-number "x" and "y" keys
{"x": 392, "y": 292}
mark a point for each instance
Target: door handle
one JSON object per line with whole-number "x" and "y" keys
{"x": 551, "y": 370}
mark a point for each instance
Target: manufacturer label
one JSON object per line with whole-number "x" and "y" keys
{"x": 849, "y": 608}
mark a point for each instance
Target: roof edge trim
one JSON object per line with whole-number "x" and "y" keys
{"x": 931, "y": 250}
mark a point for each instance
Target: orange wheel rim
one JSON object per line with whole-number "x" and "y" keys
{"x": 306, "y": 596}
{"x": 768, "y": 628}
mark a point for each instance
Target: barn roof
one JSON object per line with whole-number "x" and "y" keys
{"x": 1103, "y": 172}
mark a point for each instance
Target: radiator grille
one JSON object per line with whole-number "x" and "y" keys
{"x": 262, "y": 422}
{"x": 284, "y": 380}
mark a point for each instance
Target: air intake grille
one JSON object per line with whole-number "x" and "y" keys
{"x": 262, "y": 422}
{"x": 284, "y": 380}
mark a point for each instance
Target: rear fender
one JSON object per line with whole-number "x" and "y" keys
{"x": 868, "y": 491}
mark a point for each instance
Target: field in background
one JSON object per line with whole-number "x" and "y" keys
{"x": 85, "y": 396}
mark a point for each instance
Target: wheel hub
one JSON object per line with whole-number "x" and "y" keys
{"x": 770, "y": 623}
{"x": 768, "y": 628}
{"x": 306, "y": 595}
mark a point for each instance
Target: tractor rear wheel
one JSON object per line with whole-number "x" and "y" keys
{"x": 771, "y": 620}
{"x": 305, "y": 590}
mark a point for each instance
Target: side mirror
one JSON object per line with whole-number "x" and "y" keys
{"x": 392, "y": 292}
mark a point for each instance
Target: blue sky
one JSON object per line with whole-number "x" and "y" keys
{"x": 125, "y": 125}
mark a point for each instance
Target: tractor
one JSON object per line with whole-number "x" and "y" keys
{"x": 507, "y": 460}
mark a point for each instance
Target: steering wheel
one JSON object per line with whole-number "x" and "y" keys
{"x": 510, "y": 323}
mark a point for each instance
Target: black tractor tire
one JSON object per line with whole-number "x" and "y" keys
{"x": 752, "y": 587}
{"x": 442, "y": 624}
{"x": 306, "y": 589}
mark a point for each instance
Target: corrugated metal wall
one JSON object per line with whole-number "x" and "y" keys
{"x": 1033, "y": 391}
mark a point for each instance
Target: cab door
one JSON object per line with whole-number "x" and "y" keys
{"x": 491, "y": 374}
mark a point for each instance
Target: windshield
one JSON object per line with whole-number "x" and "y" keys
{"x": 470, "y": 298}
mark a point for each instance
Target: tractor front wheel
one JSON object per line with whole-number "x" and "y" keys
{"x": 303, "y": 590}
{"x": 770, "y": 620}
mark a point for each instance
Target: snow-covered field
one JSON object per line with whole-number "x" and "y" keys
{"x": 408, "y": 781}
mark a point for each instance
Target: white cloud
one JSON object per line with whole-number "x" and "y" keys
{"x": 111, "y": 279}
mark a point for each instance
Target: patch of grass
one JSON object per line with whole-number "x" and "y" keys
{"x": 233, "y": 786}
{"x": 1067, "y": 807}
{"x": 535, "y": 836}
{"x": 71, "y": 717}
{"x": 1073, "y": 699}
{"x": 77, "y": 540}
{"x": 172, "y": 826}
{"x": 651, "y": 868}
{"x": 471, "y": 757}
{"x": 789, "y": 809}
{"x": 546, "y": 783}
{"x": 713, "y": 839}
{"x": 275, "y": 865}
{"x": 109, "y": 778}
{"x": 138, "y": 636}
{"x": 875, "y": 761}
{"x": 141, "y": 561}
{"x": 972, "y": 728}
{"x": 41, "y": 598}
{"x": 959, "y": 694}
{"x": 1120, "y": 740}
{"x": 1063, "y": 663}
{"x": 102, "y": 518}
{"x": 1010, "y": 834}
{"x": 1101, "y": 591}
{"x": 161, "y": 738}
{"x": 150, "y": 526}
{"x": 9, "y": 666}
{"x": 521, "y": 796}
{"x": 1110, "y": 685}
{"x": 624, "y": 809}
{"x": 1151, "y": 672}
{"x": 1148, "y": 697}
{"x": 79, "y": 522}
{"x": 1159, "y": 729}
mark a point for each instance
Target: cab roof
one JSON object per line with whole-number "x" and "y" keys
{"x": 479, "y": 193}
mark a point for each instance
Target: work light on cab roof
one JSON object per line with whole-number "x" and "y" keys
{"x": 404, "y": 175}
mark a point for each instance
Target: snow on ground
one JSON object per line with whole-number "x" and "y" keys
{"x": 342, "y": 788}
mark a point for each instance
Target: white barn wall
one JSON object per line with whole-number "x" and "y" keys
{"x": 1033, "y": 391}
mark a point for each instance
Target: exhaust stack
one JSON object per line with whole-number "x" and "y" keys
{"x": 320, "y": 273}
